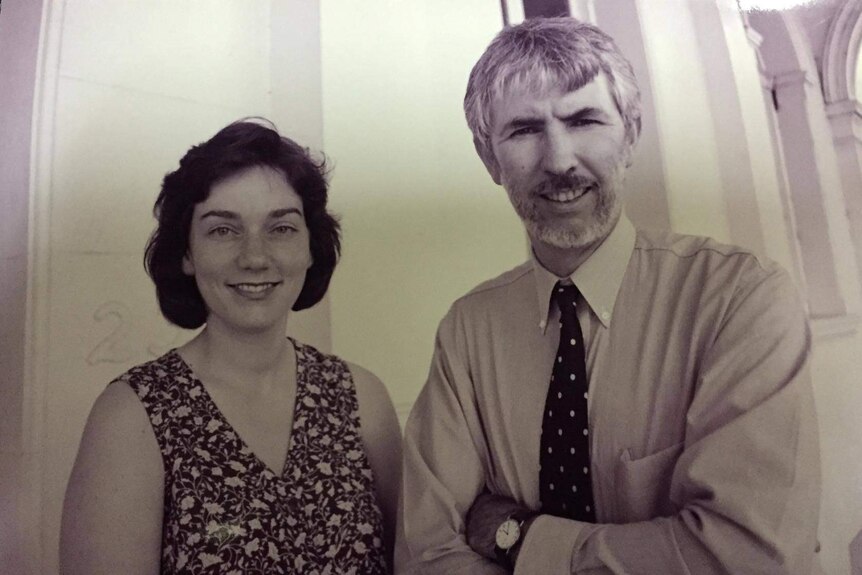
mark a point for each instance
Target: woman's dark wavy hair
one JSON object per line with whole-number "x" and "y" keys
{"x": 236, "y": 147}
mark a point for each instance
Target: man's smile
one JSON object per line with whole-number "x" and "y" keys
{"x": 568, "y": 195}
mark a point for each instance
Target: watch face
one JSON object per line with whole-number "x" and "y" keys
{"x": 508, "y": 534}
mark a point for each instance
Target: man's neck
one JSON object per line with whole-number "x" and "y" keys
{"x": 562, "y": 262}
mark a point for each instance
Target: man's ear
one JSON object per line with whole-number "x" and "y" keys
{"x": 630, "y": 153}
{"x": 188, "y": 266}
{"x": 632, "y": 144}
{"x": 489, "y": 159}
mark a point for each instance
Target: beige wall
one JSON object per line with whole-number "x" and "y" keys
{"x": 423, "y": 222}
{"x": 836, "y": 368}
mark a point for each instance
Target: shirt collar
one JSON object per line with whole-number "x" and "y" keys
{"x": 598, "y": 278}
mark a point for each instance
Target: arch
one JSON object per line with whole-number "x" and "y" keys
{"x": 841, "y": 53}
{"x": 814, "y": 195}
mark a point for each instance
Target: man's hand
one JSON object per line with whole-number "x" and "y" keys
{"x": 486, "y": 514}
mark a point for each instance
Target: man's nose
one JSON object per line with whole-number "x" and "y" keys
{"x": 253, "y": 254}
{"x": 560, "y": 154}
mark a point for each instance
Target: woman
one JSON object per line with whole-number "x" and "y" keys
{"x": 242, "y": 450}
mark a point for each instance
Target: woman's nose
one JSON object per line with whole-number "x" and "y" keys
{"x": 253, "y": 254}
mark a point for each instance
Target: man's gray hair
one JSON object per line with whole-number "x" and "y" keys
{"x": 542, "y": 53}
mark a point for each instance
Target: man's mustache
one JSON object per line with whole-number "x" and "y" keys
{"x": 562, "y": 183}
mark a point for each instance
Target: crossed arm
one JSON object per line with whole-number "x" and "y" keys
{"x": 745, "y": 487}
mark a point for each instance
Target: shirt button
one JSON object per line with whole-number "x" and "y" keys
{"x": 606, "y": 315}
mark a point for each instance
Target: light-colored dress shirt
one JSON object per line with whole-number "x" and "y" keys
{"x": 704, "y": 447}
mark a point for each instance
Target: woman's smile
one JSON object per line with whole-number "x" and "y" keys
{"x": 256, "y": 290}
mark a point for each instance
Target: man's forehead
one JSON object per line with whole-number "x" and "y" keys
{"x": 523, "y": 95}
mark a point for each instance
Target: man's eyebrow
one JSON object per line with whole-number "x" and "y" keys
{"x": 584, "y": 112}
{"x": 534, "y": 121}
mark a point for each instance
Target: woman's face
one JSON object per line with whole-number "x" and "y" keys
{"x": 249, "y": 251}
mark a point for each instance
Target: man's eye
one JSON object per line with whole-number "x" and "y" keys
{"x": 525, "y": 131}
{"x": 581, "y": 122}
{"x": 284, "y": 229}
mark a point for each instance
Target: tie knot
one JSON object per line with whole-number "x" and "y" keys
{"x": 566, "y": 296}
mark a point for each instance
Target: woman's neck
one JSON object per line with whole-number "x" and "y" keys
{"x": 249, "y": 359}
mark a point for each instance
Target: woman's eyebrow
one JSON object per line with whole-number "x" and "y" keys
{"x": 229, "y": 215}
{"x": 226, "y": 214}
{"x": 280, "y": 213}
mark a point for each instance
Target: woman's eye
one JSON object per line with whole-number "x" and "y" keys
{"x": 220, "y": 231}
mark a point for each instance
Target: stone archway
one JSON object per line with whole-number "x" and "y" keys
{"x": 841, "y": 53}
{"x": 809, "y": 159}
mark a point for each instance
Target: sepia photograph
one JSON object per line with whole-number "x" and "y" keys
{"x": 431, "y": 286}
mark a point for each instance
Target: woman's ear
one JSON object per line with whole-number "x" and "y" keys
{"x": 188, "y": 266}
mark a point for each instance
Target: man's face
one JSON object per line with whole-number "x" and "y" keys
{"x": 562, "y": 157}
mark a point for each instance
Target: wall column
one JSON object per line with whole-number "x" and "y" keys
{"x": 19, "y": 45}
{"x": 841, "y": 66}
{"x": 845, "y": 120}
{"x": 647, "y": 202}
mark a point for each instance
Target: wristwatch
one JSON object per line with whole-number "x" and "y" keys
{"x": 509, "y": 534}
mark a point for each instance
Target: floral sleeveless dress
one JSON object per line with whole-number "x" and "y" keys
{"x": 226, "y": 512}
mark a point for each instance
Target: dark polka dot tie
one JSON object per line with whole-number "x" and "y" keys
{"x": 565, "y": 481}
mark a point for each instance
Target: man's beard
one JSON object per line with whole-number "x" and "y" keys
{"x": 565, "y": 234}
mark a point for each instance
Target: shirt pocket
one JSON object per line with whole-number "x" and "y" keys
{"x": 643, "y": 484}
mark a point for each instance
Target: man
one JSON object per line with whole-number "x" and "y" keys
{"x": 624, "y": 402}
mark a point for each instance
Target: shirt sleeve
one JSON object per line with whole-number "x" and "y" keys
{"x": 444, "y": 471}
{"x": 746, "y": 486}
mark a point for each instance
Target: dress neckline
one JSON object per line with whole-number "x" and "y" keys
{"x": 244, "y": 448}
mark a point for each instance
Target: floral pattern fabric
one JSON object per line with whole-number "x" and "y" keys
{"x": 226, "y": 512}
